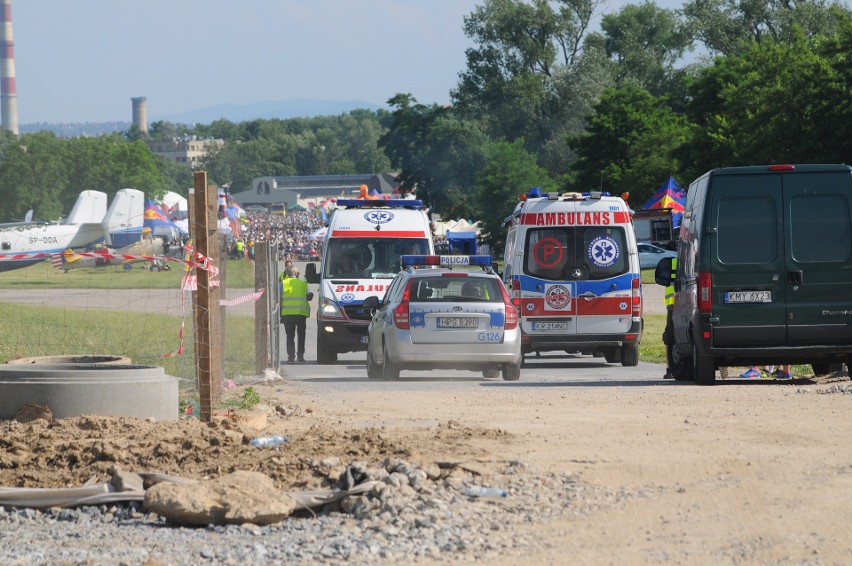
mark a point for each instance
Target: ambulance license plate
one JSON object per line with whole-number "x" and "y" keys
{"x": 457, "y": 322}
{"x": 550, "y": 326}
{"x": 748, "y": 297}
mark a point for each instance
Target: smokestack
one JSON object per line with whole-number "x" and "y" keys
{"x": 8, "y": 90}
{"x": 140, "y": 113}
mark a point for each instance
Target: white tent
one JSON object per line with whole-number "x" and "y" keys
{"x": 178, "y": 205}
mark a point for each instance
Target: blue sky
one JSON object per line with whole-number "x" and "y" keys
{"x": 82, "y": 60}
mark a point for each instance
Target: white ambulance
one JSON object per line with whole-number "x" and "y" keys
{"x": 360, "y": 257}
{"x": 571, "y": 266}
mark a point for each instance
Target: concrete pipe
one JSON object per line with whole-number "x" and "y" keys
{"x": 75, "y": 389}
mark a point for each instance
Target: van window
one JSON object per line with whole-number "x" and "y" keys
{"x": 820, "y": 228}
{"x": 575, "y": 253}
{"x": 748, "y": 230}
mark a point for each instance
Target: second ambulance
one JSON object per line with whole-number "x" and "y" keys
{"x": 571, "y": 266}
{"x": 360, "y": 257}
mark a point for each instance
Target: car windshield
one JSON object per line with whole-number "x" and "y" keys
{"x": 456, "y": 289}
{"x": 369, "y": 258}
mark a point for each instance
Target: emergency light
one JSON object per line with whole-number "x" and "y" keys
{"x": 446, "y": 260}
{"x": 394, "y": 203}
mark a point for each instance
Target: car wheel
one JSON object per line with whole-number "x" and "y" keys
{"x": 703, "y": 368}
{"x": 373, "y": 371}
{"x": 325, "y": 355}
{"x": 826, "y": 368}
{"x": 511, "y": 372}
{"x": 490, "y": 373}
{"x": 681, "y": 364}
{"x": 613, "y": 356}
{"x": 630, "y": 355}
{"x": 389, "y": 369}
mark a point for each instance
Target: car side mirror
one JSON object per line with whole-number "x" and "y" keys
{"x": 663, "y": 272}
{"x": 311, "y": 275}
{"x": 372, "y": 302}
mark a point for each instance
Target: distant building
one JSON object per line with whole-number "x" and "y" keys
{"x": 187, "y": 151}
{"x": 299, "y": 191}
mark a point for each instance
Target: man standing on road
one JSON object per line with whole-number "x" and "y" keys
{"x": 295, "y": 310}
{"x": 668, "y": 333}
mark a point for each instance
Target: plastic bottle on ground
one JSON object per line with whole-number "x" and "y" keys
{"x": 265, "y": 441}
{"x": 480, "y": 491}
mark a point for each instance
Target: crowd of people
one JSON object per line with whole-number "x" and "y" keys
{"x": 291, "y": 233}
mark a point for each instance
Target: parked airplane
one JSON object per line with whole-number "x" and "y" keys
{"x": 88, "y": 223}
{"x": 103, "y": 256}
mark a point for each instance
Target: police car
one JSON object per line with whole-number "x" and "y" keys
{"x": 440, "y": 314}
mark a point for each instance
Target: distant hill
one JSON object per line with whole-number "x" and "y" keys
{"x": 299, "y": 108}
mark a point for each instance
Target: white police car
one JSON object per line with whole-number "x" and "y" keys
{"x": 444, "y": 317}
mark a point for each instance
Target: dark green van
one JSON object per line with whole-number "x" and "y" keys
{"x": 764, "y": 270}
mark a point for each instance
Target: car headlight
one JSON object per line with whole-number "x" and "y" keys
{"x": 329, "y": 309}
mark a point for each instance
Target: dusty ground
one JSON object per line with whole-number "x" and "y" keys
{"x": 757, "y": 473}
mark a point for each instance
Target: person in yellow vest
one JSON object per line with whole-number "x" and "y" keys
{"x": 668, "y": 333}
{"x": 239, "y": 249}
{"x": 295, "y": 310}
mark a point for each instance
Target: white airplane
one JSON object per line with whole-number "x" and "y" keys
{"x": 88, "y": 223}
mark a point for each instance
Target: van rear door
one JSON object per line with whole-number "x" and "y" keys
{"x": 749, "y": 260}
{"x": 818, "y": 211}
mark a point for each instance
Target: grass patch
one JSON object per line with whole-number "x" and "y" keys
{"x": 652, "y": 349}
{"x": 32, "y": 331}
{"x": 240, "y": 275}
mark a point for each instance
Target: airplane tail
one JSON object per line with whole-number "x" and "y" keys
{"x": 90, "y": 208}
{"x": 124, "y": 219}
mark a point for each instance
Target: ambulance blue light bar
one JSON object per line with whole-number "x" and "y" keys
{"x": 393, "y": 203}
{"x": 446, "y": 260}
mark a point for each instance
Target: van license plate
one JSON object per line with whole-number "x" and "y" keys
{"x": 457, "y": 322}
{"x": 550, "y": 326}
{"x": 748, "y": 297}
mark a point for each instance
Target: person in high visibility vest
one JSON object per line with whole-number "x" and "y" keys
{"x": 295, "y": 310}
{"x": 668, "y": 333}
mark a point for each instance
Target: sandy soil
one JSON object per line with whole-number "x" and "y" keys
{"x": 757, "y": 473}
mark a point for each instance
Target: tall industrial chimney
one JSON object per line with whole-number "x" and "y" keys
{"x": 140, "y": 113}
{"x": 8, "y": 90}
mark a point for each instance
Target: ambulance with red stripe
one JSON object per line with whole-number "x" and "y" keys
{"x": 571, "y": 266}
{"x": 360, "y": 257}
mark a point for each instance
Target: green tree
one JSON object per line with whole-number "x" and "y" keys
{"x": 33, "y": 177}
{"x": 645, "y": 42}
{"x": 774, "y": 102}
{"x": 630, "y": 144}
{"x": 509, "y": 171}
{"x": 508, "y": 80}
{"x": 728, "y": 26}
{"x": 438, "y": 154}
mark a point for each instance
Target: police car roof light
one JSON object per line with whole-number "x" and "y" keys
{"x": 535, "y": 192}
{"x": 393, "y": 203}
{"x": 446, "y": 260}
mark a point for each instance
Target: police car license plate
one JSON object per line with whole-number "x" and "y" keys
{"x": 457, "y": 322}
{"x": 748, "y": 297}
{"x": 550, "y": 326}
